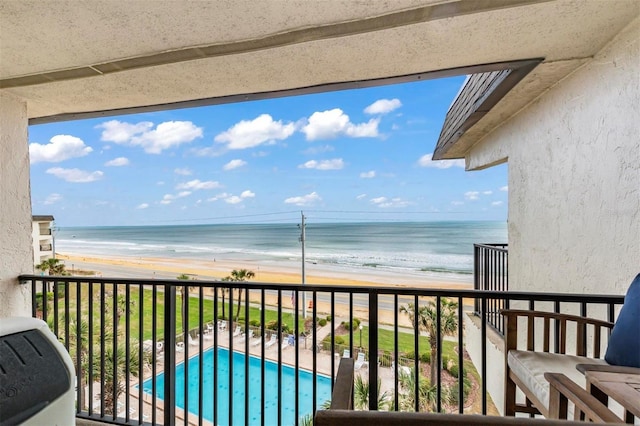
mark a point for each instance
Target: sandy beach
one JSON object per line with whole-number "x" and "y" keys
{"x": 282, "y": 272}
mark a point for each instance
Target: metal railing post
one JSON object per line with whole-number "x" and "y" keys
{"x": 170, "y": 354}
{"x": 373, "y": 350}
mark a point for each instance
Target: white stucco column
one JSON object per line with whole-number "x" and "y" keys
{"x": 16, "y": 256}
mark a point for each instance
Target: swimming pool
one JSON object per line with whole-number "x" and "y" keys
{"x": 323, "y": 389}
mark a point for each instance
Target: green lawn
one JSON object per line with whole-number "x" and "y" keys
{"x": 385, "y": 337}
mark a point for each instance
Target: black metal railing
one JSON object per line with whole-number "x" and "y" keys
{"x": 131, "y": 369}
{"x": 45, "y": 247}
{"x": 491, "y": 273}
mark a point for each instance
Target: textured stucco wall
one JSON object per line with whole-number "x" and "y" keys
{"x": 16, "y": 251}
{"x": 574, "y": 177}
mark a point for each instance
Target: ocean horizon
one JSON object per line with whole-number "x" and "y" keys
{"x": 443, "y": 247}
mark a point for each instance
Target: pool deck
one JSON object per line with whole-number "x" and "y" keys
{"x": 305, "y": 361}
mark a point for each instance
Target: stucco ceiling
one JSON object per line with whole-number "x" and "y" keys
{"x": 69, "y": 57}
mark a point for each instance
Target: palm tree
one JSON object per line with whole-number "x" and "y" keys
{"x": 181, "y": 290}
{"x": 78, "y": 340}
{"x": 238, "y": 275}
{"x": 114, "y": 379}
{"x": 52, "y": 267}
{"x": 427, "y": 393}
{"x": 224, "y": 291}
{"x": 427, "y": 321}
{"x": 361, "y": 395}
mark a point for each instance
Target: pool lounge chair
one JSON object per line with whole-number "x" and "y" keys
{"x": 222, "y": 325}
{"x": 271, "y": 341}
{"x": 192, "y": 341}
{"x": 289, "y": 341}
{"x": 180, "y": 347}
{"x": 346, "y": 353}
{"x": 257, "y": 341}
{"x": 237, "y": 331}
{"x": 360, "y": 362}
{"x": 244, "y": 335}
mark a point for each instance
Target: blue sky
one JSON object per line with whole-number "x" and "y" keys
{"x": 353, "y": 155}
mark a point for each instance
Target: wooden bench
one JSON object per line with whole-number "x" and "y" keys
{"x": 341, "y": 412}
{"x": 525, "y": 368}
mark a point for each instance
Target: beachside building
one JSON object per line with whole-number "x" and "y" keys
{"x": 574, "y": 171}
{"x": 553, "y": 91}
{"x": 42, "y": 235}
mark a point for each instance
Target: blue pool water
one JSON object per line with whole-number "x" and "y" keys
{"x": 323, "y": 389}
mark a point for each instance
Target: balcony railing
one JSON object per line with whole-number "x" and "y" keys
{"x": 491, "y": 273}
{"x": 131, "y": 369}
{"x": 46, "y": 247}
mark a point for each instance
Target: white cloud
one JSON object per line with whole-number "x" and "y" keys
{"x": 504, "y": 188}
{"x": 117, "y": 162}
{"x": 426, "y": 161}
{"x": 170, "y": 198}
{"x": 383, "y": 106}
{"x": 368, "y": 175}
{"x": 333, "y": 123}
{"x": 249, "y": 134}
{"x": 52, "y": 198}
{"x": 361, "y": 196}
{"x": 142, "y": 206}
{"x": 118, "y": 132}
{"x": 166, "y": 135}
{"x": 471, "y": 195}
{"x": 334, "y": 164}
{"x": 75, "y": 175}
{"x": 247, "y": 194}
{"x": 234, "y": 199}
{"x": 59, "y": 148}
{"x": 304, "y": 200}
{"x": 197, "y": 184}
{"x": 487, "y": 192}
{"x": 457, "y": 203}
{"x": 234, "y": 164}
{"x": 384, "y": 202}
{"x": 183, "y": 171}
{"x": 496, "y": 203}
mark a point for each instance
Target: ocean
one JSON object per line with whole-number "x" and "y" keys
{"x": 443, "y": 248}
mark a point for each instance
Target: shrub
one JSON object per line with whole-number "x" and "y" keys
{"x": 353, "y": 326}
{"x": 453, "y": 370}
{"x": 271, "y": 325}
{"x": 254, "y": 323}
{"x": 453, "y": 390}
{"x": 338, "y": 341}
{"x": 322, "y": 322}
{"x": 409, "y": 355}
{"x": 448, "y": 363}
{"x": 426, "y": 357}
{"x": 328, "y": 318}
{"x": 386, "y": 358}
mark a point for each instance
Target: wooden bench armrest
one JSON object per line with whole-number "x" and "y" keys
{"x": 563, "y": 389}
{"x": 560, "y": 322}
{"x": 583, "y": 368}
{"x": 342, "y": 395}
{"x": 509, "y": 313}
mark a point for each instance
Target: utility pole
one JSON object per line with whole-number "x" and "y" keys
{"x": 302, "y": 240}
